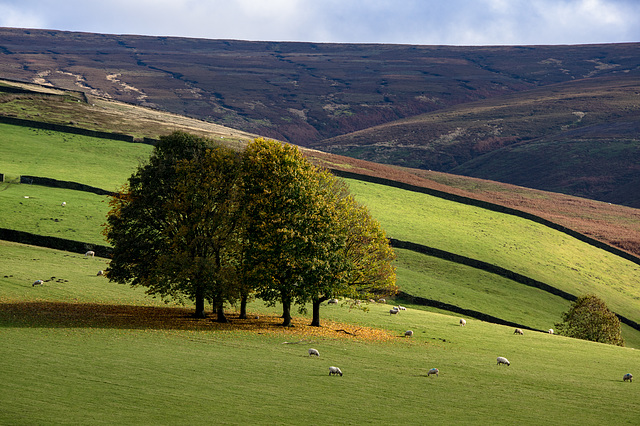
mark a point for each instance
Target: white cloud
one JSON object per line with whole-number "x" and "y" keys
{"x": 13, "y": 16}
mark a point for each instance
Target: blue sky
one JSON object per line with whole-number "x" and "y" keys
{"x": 427, "y": 22}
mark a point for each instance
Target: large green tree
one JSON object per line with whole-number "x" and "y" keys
{"x": 590, "y": 319}
{"x": 305, "y": 235}
{"x": 160, "y": 224}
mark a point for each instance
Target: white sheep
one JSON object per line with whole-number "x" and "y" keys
{"x": 100, "y": 273}
{"x": 64, "y": 203}
{"x": 551, "y": 331}
{"x": 382, "y": 300}
{"x": 37, "y": 282}
{"x": 393, "y": 311}
{"x": 314, "y": 352}
{"x": 433, "y": 371}
{"x": 333, "y": 301}
{"x": 463, "y": 322}
{"x": 402, "y": 308}
{"x": 408, "y": 333}
{"x": 518, "y": 331}
{"x": 503, "y": 360}
{"x": 628, "y": 377}
{"x": 335, "y": 370}
{"x": 90, "y": 253}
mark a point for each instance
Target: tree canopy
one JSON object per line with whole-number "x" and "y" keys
{"x": 590, "y": 319}
{"x": 203, "y": 222}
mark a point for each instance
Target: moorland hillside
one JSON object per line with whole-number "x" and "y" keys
{"x": 514, "y": 114}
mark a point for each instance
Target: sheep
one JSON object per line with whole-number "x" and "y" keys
{"x": 64, "y": 203}
{"x": 100, "y": 273}
{"x": 335, "y": 370}
{"x": 37, "y": 282}
{"x": 463, "y": 322}
{"x": 628, "y": 377}
{"x": 332, "y": 301}
{"x": 519, "y": 331}
{"x": 408, "y": 333}
{"x": 393, "y": 311}
{"x": 90, "y": 253}
{"x": 382, "y": 300}
{"x": 433, "y": 371}
{"x": 402, "y": 308}
{"x": 551, "y": 331}
{"x": 503, "y": 360}
{"x": 314, "y": 352}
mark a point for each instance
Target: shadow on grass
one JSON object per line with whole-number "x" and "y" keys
{"x": 44, "y": 314}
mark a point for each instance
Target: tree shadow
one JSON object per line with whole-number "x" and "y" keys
{"x": 93, "y": 315}
{"x": 47, "y": 314}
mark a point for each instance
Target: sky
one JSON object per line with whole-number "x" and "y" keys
{"x": 421, "y": 22}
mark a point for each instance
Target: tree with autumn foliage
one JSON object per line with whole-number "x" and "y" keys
{"x": 304, "y": 239}
{"x": 590, "y": 319}
{"x": 170, "y": 225}
{"x": 366, "y": 257}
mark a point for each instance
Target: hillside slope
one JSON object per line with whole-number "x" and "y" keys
{"x": 298, "y": 92}
{"x": 579, "y": 138}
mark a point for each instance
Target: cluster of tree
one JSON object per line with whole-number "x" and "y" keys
{"x": 203, "y": 222}
{"x": 590, "y": 319}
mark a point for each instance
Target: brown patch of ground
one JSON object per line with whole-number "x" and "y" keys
{"x": 90, "y": 315}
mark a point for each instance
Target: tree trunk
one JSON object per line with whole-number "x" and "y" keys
{"x": 315, "y": 322}
{"x": 286, "y": 312}
{"x": 243, "y": 306}
{"x": 200, "y": 304}
{"x": 221, "y": 316}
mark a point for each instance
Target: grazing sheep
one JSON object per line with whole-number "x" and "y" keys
{"x": 64, "y": 203}
{"x": 628, "y": 377}
{"x": 433, "y": 371}
{"x": 100, "y": 273}
{"x": 393, "y": 311}
{"x": 518, "y": 331}
{"x": 382, "y": 300}
{"x": 37, "y": 282}
{"x": 551, "y": 331}
{"x": 372, "y": 301}
{"x": 402, "y": 308}
{"x": 90, "y": 253}
{"x": 333, "y": 301}
{"x": 335, "y": 370}
{"x": 503, "y": 360}
{"x": 408, "y": 333}
{"x": 463, "y": 322}
{"x": 314, "y": 352}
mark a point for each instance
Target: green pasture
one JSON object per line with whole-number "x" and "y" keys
{"x": 102, "y": 163}
{"x": 508, "y": 241}
{"x": 88, "y": 374}
{"x": 38, "y": 209}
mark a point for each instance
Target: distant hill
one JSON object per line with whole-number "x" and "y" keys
{"x": 579, "y": 138}
{"x": 509, "y": 113}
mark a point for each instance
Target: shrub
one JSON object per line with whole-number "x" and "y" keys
{"x": 590, "y": 319}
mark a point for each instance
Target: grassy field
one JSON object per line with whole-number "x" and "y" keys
{"x": 102, "y": 163}
{"x": 38, "y": 209}
{"x": 83, "y": 350}
{"x": 513, "y": 243}
{"x": 106, "y": 366}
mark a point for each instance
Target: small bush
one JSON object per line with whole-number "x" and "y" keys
{"x": 590, "y": 319}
